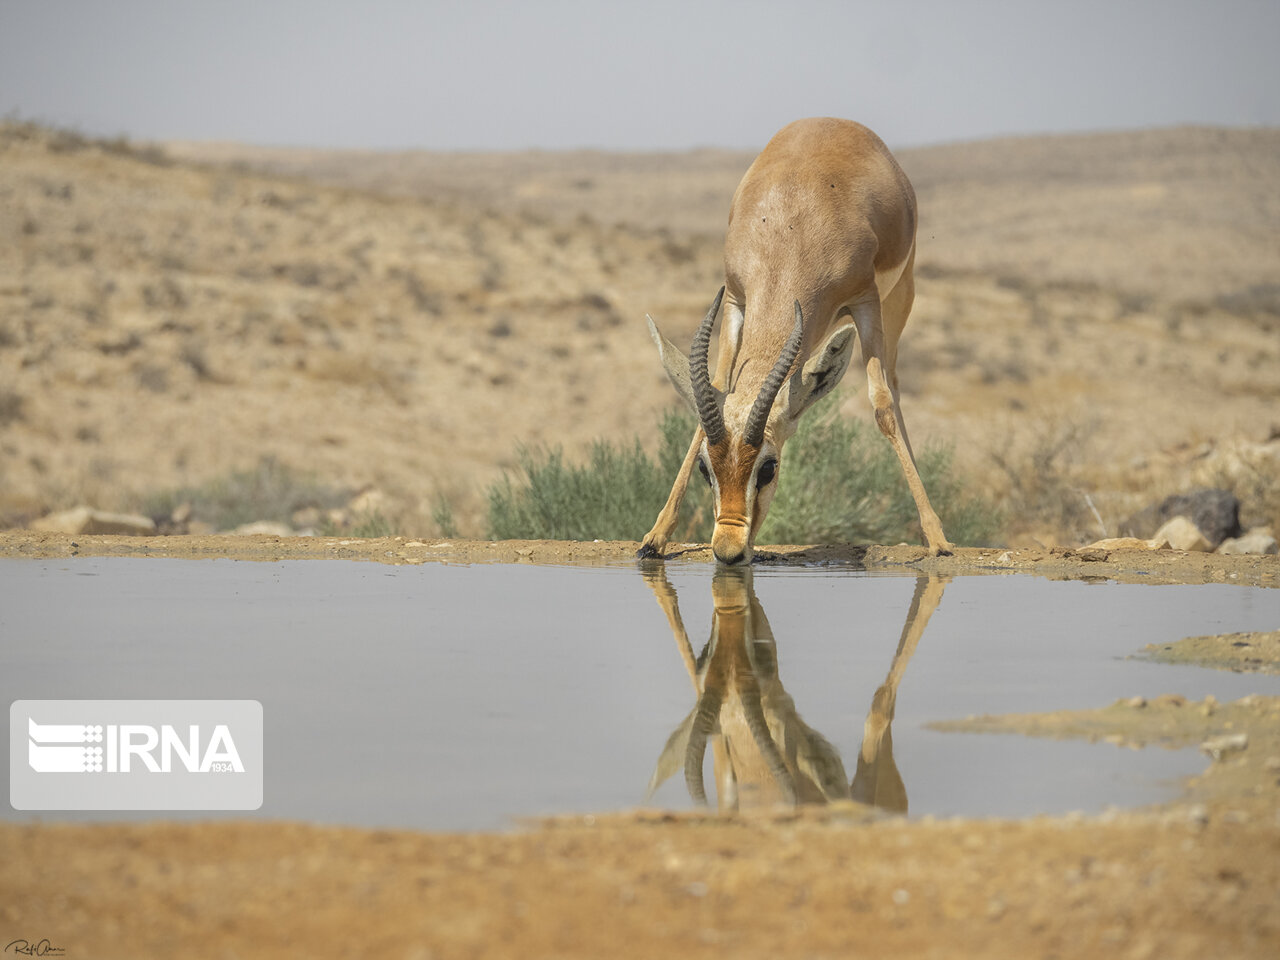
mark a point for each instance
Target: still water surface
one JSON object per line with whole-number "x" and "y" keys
{"x": 450, "y": 697}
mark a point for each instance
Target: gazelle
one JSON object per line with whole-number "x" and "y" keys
{"x": 764, "y": 753}
{"x": 821, "y": 242}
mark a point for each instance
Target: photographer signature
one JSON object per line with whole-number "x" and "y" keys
{"x": 41, "y": 948}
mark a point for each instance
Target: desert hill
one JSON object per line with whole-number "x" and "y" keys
{"x": 1097, "y": 322}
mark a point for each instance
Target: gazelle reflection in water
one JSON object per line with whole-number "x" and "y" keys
{"x": 764, "y": 754}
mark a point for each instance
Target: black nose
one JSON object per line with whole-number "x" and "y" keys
{"x": 735, "y": 559}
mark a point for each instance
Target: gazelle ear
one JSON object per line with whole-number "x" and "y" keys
{"x": 822, "y": 371}
{"x": 672, "y": 758}
{"x": 676, "y": 363}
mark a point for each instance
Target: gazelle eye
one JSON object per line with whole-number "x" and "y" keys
{"x": 702, "y": 468}
{"x": 766, "y": 473}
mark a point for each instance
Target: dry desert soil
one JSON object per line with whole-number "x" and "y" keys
{"x": 1096, "y": 327}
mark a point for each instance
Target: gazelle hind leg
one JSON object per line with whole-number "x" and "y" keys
{"x": 884, "y": 402}
{"x": 655, "y": 541}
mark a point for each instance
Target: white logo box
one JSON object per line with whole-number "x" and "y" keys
{"x": 135, "y": 755}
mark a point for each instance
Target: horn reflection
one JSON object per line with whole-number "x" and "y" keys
{"x": 763, "y": 753}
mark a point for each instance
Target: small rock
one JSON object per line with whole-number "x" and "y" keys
{"x": 1170, "y": 700}
{"x": 1257, "y": 541}
{"x": 1219, "y": 747}
{"x": 1214, "y": 511}
{"x": 1128, "y": 543}
{"x": 91, "y": 521}
{"x": 1182, "y": 534}
{"x": 67, "y": 521}
{"x": 269, "y": 528}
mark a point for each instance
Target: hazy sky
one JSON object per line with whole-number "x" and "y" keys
{"x": 645, "y": 74}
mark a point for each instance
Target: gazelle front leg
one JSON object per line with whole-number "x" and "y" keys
{"x": 866, "y": 316}
{"x": 655, "y": 541}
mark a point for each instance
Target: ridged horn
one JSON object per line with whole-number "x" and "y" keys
{"x": 704, "y": 722}
{"x": 704, "y": 394}
{"x": 753, "y": 435}
{"x": 759, "y": 727}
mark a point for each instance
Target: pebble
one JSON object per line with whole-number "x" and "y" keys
{"x": 91, "y": 521}
{"x": 1219, "y": 747}
{"x": 1258, "y": 541}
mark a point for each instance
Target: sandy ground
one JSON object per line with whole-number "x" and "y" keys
{"x": 1198, "y": 877}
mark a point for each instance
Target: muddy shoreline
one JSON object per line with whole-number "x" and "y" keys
{"x": 1195, "y": 877}
{"x": 1127, "y": 565}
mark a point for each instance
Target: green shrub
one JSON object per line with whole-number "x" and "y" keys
{"x": 614, "y": 496}
{"x": 370, "y": 524}
{"x": 840, "y": 482}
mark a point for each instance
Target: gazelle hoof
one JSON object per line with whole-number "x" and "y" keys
{"x": 648, "y": 551}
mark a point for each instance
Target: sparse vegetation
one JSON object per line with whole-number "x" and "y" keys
{"x": 270, "y": 491}
{"x": 614, "y": 496}
{"x": 70, "y": 140}
{"x": 840, "y": 483}
{"x": 442, "y": 514}
{"x": 11, "y": 404}
{"x": 1258, "y": 302}
{"x": 368, "y": 524}
{"x": 1041, "y": 488}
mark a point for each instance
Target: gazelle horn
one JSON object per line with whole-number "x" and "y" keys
{"x": 758, "y": 724}
{"x": 706, "y": 714}
{"x": 753, "y": 435}
{"x": 703, "y": 393}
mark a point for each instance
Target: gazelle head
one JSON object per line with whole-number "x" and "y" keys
{"x": 746, "y": 426}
